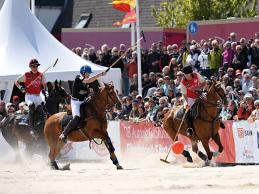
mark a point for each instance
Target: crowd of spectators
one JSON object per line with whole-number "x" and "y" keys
{"x": 234, "y": 62}
{"x": 14, "y": 107}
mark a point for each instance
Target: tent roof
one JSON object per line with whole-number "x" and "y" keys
{"x": 23, "y": 37}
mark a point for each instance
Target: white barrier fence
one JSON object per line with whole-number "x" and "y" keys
{"x": 245, "y": 135}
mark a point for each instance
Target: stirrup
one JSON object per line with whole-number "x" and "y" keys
{"x": 63, "y": 138}
{"x": 189, "y": 131}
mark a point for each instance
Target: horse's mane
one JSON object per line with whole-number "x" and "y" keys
{"x": 96, "y": 86}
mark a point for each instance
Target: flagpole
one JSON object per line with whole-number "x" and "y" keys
{"x": 132, "y": 34}
{"x": 138, "y": 48}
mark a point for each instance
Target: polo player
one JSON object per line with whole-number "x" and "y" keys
{"x": 34, "y": 82}
{"x": 80, "y": 92}
{"x": 191, "y": 86}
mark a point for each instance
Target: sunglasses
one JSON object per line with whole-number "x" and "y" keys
{"x": 33, "y": 66}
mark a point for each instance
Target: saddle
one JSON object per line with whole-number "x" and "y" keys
{"x": 22, "y": 119}
{"x": 194, "y": 110}
{"x": 65, "y": 120}
{"x": 68, "y": 117}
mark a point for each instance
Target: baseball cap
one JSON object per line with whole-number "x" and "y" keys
{"x": 135, "y": 101}
{"x": 15, "y": 98}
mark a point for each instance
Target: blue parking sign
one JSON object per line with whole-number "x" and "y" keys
{"x": 193, "y": 27}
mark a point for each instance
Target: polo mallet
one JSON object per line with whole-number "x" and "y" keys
{"x": 43, "y": 73}
{"x": 124, "y": 54}
{"x": 165, "y": 160}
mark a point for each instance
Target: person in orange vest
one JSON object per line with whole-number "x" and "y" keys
{"x": 34, "y": 81}
{"x": 191, "y": 86}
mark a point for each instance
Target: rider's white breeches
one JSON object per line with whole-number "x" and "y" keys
{"x": 75, "y": 106}
{"x": 33, "y": 99}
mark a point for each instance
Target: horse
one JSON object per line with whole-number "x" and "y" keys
{"x": 15, "y": 128}
{"x": 206, "y": 124}
{"x": 56, "y": 96}
{"x": 96, "y": 125}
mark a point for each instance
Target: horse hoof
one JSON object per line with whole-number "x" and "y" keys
{"x": 189, "y": 159}
{"x": 119, "y": 167}
{"x": 66, "y": 167}
{"x": 206, "y": 163}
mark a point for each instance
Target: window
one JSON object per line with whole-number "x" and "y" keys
{"x": 84, "y": 21}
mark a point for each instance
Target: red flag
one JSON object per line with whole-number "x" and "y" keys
{"x": 124, "y": 5}
{"x": 128, "y": 18}
{"x": 118, "y": 23}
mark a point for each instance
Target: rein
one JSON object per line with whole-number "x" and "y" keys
{"x": 210, "y": 104}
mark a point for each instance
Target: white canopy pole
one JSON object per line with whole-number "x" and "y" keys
{"x": 33, "y": 7}
{"x": 138, "y": 48}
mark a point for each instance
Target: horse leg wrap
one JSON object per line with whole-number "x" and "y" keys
{"x": 114, "y": 160}
{"x": 109, "y": 145}
{"x": 111, "y": 149}
{"x": 187, "y": 155}
{"x": 54, "y": 165}
{"x": 202, "y": 156}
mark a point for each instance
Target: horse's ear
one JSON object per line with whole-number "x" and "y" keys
{"x": 105, "y": 84}
{"x": 56, "y": 83}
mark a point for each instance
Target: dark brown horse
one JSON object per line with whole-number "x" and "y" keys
{"x": 206, "y": 124}
{"x": 96, "y": 125}
{"x": 15, "y": 128}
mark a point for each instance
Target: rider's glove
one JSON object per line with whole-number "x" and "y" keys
{"x": 22, "y": 89}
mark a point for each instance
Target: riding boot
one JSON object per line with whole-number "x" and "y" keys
{"x": 188, "y": 119}
{"x": 72, "y": 125}
{"x": 31, "y": 118}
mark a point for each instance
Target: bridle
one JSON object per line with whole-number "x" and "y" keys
{"x": 209, "y": 104}
{"x": 112, "y": 98}
{"x": 212, "y": 103}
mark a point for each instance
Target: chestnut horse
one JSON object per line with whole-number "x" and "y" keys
{"x": 96, "y": 125}
{"x": 206, "y": 125}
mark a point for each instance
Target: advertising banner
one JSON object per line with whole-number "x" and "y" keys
{"x": 143, "y": 137}
{"x": 227, "y": 140}
{"x": 246, "y": 141}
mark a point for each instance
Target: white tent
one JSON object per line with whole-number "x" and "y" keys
{"x": 23, "y": 37}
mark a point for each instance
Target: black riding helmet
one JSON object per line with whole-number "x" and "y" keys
{"x": 187, "y": 69}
